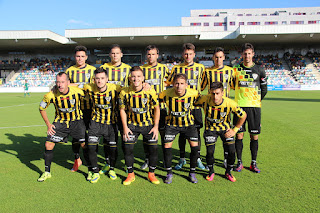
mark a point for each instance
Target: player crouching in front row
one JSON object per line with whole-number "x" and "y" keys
{"x": 217, "y": 110}
{"x": 135, "y": 111}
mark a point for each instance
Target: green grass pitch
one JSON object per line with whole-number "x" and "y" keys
{"x": 288, "y": 158}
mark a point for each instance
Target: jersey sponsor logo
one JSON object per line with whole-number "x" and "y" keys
{"x": 214, "y": 120}
{"x": 73, "y": 101}
{"x": 108, "y": 99}
{"x": 88, "y": 75}
{"x": 55, "y": 138}
{"x": 103, "y": 106}
{"x": 179, "y": 114}
{"x": 211, "y": 139}
{"x": 249, "y": 84}
{"x": 255, "y": 76}
{"x": 144, "y": 100}
{"x": 223, "y": 114}
{"x": 139, "y": 110}
{"x": 153, "y": 81}
{"x": 43, "y": 104}
{"x": 67, "y": 110}
{"x": 115, "y": 82}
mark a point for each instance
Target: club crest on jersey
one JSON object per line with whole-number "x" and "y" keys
{"x": 223, "y": 114}
{"x": 123, "y": 74}
{"x": 255, "y": 76}
{"x": 144, "y": 100}
{"x": 108, "y": 98}
{"x": 196, "y": 72}
{"x": 88, "y": 75}
{"x": 159, "y": 72}
{"x": 73, "y": 101}
{"x": 226, "y": 76}
{"x": 186, "y": 105}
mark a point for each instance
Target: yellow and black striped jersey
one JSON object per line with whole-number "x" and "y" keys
{"x": 250, "y": 85}
{"x": 104, "y": 109}
{"x": 194, "y": 74}
{"x": 81, "y": 76}
{"x": 156, "y": 76}
{"x": 218, "y": 116}
{"x": 117, "y": 74}
{"x": 67, "y": 106}
{"x": 138, "y": 105}
{"x": 179, "y": 113}
{"x": 223, "y": 75}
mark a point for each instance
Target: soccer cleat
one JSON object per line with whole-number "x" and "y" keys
{"x": 104, "y": 169}
{"x": 90, "y": 174}
{"x": 239, "y": 167}
{"x": 230, "y": 177}
{"x": 200, "y": 165}
{"x": 76, "y": 165}
{"x": 210, "y": 177}
{"x": 44, "y": 176}
{"x": 95, "y": 178}
{"x": 112, "y": 175}
{"x": 169, "y": 178}
{"x": 182, "y": 162}
{"x": 192, "y": 177}
{"x": 131, "y": 177}
{"x": 254, "y": 168}
{"x": 145, "y": 164}
{"x": 153, "y": 178}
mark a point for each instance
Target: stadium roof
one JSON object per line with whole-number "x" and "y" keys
{"x": 166, "y": 36}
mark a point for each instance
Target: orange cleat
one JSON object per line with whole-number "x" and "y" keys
{"x": 153, "y": 178}
{"x": 76, "y": 165}
{"x": 131, "y": 177}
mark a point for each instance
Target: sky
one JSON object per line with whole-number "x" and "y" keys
{"x": 59, "y": 15}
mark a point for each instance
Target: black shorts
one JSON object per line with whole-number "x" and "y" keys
{"x": 197, "y": 114}
{"x": 144, "y": 131}
{"x": 87, "y": 113}
{"x": 210, "y": 137}
{"x": 76, "y": 129}
{"x": 162, "y": 122}
{"x": 253, "y": 119}
{"x": 109, "y": 132}
{"x": 171, "y": 132}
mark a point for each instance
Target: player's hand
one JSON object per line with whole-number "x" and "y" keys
{"x": 146, "y": 86}
{"x": 230, "y": 133}
{"x": 50, "y": 130}
{"x": 126, "y": 134}
{"x": 155, "y": 132}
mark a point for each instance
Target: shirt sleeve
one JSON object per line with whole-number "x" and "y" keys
{"x": 171, "y": 75}
{"x": 47, "y": 99}
{"x": 263, "y": 83}
{"x": 200, "y": 100}
{"x": 121, "y": 100}
{"x": 204, "y": 80}
{"x": 154, "y": 98}
{"x": 236, "y": 109}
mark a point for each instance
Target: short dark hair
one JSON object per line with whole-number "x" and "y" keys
{"x": 115, "y": 46}
{"x": 80, "y": 48}
{"x": 136, "y": 68}
{"x": 152, "y": 47}
{"x": 180, "y": 75}
{"x": 63, "y": 73}
{"x": 247, "y": 46}
{"x": 216, "y": 85}
{"x": 218, "y": 49}
{"x": 100, "y": 70}
{"x": 188, "y": 46}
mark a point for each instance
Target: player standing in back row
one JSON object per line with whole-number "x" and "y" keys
{"x": 250, "y": 88}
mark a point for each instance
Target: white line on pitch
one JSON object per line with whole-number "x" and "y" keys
{"x": 14, "y": 127}
{"x": 16, "y": 105}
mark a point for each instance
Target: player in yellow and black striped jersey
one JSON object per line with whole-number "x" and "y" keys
{"x": 250, "y": 88}
{"x": 79, "y": 74}
{"x": 68, "y": 118}
{"x": 217, "y": 110}
{"x": 218, "y": 73}
{"x": 194, "y": 73}
{"x": 155, "y": 75}
{"x": 179, "y": 101}
{"x": 117, "y": 71}
{"x": 136, "y": 106}
{"x": 104, "y": 97}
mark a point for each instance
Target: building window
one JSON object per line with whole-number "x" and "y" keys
{"x": 195, "y": 24}
{"x": 219, "y": 24}
{"x": 274, "y": 14}
{"x": 284, "y": 22}
{"x": 264, "y": 14}
{"x": 241, "y": 23}
{"x": 232, "y": 23}
{"x": 206, "y": 24}
{"x": 314, "y": 22}
{"x": 240, "y": 14}
{"x": 253, "y": 23}
{"x": 296, "y": 22}
{"x": 270, "y": 22}
{"x": 248, "y": 14}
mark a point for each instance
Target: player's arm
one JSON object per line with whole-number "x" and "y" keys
{"x": 263, "y": 83}
{"x": 43, "y": 106}
{"x": 242, "y": 117}
{"x": 156, "y": 108}
{"x": 204, "y": 80}
{"x": 123, "y": 116}
{"x": 199, "y": 101}
{"x": 170, "y": 77}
